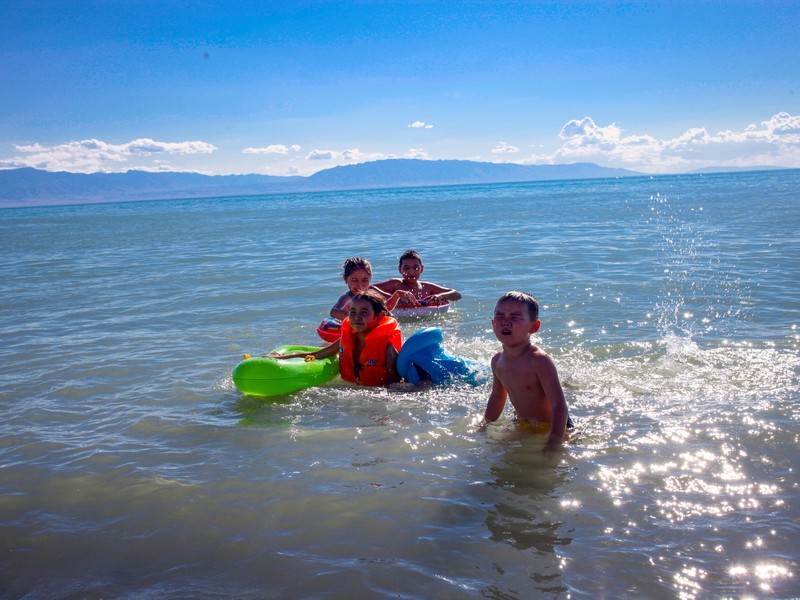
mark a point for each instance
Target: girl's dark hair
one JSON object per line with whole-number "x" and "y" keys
{"x": 526, "y": 299}
{"x": 356, "y": 263}
{"x": 375, "y": 299}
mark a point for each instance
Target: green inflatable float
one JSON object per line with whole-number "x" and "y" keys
{"x": 264, "y": 376}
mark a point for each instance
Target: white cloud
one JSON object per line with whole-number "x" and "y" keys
{"x": 783, "y": 123}
{"x": 416, "y": 153}
{"x": 351, "y": 155}
{"x": 322, "y": 155}
{"x": 148, "y": 146}
{"x": 771, "y": 142}
{"x": 585, "y": 133}
{"x": 504, "y": 148}
{"x": 691, "y": 137}
{"x": 273, "y": 149}
{"x": 775, "y": 142}
{"x": 88, "y": 156}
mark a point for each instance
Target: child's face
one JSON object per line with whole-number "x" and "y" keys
{"x": 512, "y": 322}
{"x": 358, "y": 281}
{"x": 411, "y": 269}
{"x": 361, "y": 315}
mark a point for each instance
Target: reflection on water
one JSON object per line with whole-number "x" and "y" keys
{"x": 689, "y": 452}
{"x": 524, "y": 515}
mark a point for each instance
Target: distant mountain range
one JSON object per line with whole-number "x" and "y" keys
{"x": 712, "y": 170}
{"x": 31, "y": 187}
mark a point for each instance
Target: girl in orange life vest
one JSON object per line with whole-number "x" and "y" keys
{"x": 370, "y": 341}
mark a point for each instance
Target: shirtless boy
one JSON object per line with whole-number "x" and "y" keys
{"x": 524, "y": 373}
{"x": 411, "y": 269}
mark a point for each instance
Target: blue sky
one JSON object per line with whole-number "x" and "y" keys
{"x": 293, "y": 87}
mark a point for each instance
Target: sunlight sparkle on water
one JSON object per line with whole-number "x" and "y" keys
{"x": 444, "y": 457}
{"x": 700, "y": 483}
{"x": 765, "y": 573}
{"x": 689, "y": 581}
{"x": 413, "y": 444}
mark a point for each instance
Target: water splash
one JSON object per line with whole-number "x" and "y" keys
{"x": 700, "y": 292}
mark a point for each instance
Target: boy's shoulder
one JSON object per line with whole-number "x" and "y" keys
{"x": 538, "y": 355}
{"x": 537, "y": 351}
{"x": 426, "y": 285}
{"x": 533, "y": 354}
{"x": 388, "y": 284}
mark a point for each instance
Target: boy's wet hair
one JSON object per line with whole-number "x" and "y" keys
{"x": 526, "y": 299}
{"x": 375, "y": 299}
{"x": 356, "y": 263}
{"x": 409, "y": 254}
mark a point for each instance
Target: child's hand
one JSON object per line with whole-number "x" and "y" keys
{"x": 434, "y": 300}
{"x": 277, "y": 356}
{"x": 410, "y": 298}
{"x": 405, "y": 298}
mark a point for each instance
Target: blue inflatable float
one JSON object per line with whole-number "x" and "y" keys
{"x": 424, "y": 350}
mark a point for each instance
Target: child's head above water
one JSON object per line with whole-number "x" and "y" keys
{"x": 357, "y": 274}
{"x": 409, "y": 254}
{"x": 410, "y": 266}
{"x": 529, "y": 301}
{"x": 516, "y": 317}
{"x": 365, "y": 308}
{"x": 356, "y": 263}
{"x": 374, "y": 299}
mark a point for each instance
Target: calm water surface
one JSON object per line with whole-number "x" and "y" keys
{"x": 130, "y": 466}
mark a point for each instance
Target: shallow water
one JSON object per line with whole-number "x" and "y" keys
{"x": 130, "y": 465}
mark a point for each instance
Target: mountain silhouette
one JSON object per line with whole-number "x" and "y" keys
{"x": 30, "y": 187}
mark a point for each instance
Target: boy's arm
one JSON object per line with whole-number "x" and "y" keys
{"x": 497, "y": 399}
{"x": 437, "y": 292}
{"x": 551, "y": 384}
{"x": 388, "y": 287}
{"x": 393, "y": 300}
{"x": 392, "y": 295}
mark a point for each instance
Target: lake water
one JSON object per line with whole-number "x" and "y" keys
{"x": 131, "y": 467}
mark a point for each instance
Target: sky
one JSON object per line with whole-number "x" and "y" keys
{"x": 293, "y": 87}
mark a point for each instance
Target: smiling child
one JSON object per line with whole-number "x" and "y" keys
{"x": 424, "y": 292}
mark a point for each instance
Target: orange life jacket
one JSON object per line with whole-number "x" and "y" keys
{"x": 371, "y": 368}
